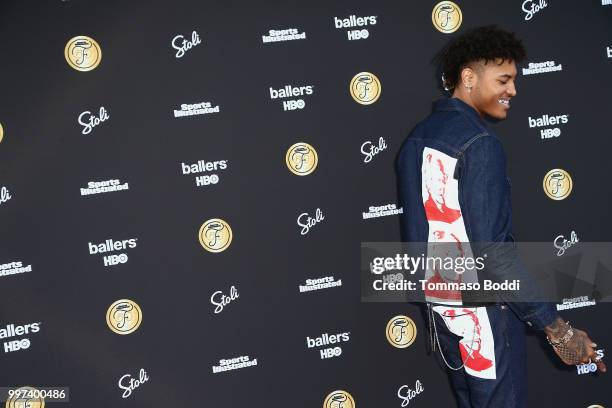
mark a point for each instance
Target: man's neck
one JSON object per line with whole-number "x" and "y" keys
{"x": 465, "y": 97}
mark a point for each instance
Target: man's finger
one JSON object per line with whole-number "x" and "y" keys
{"x": 588, "y": 355}
{"x": 601, "y": 366}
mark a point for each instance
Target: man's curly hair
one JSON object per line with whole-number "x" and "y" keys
{"x": 486, "y": 42}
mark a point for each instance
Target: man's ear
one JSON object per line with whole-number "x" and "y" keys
{"x": 472, "y": 72}
{"x": 468, "y": 76}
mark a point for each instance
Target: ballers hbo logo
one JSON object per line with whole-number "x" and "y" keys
{"x": 215, "y": 235}
{"x": 23, "y": 397}
{"x": 83, "y": 53}
{"x": 124, "y": 316}
{"x": 401, "y": 331}
{"x": 446, "y": 17}
{"x": 365, "y": 88}
{"x": 339, "y": 399}
{"x": 557, "y": 184}
{"x": 301, "y": 158}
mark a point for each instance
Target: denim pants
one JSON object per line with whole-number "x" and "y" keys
{"x": 491, "y": 341}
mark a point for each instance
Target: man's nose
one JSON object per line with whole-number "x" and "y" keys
{"x": 511, "y": 89}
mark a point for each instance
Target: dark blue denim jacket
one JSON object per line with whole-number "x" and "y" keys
{"x": 456, "y": 129}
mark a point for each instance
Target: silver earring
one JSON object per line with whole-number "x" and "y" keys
{"x": 468, "y": 87}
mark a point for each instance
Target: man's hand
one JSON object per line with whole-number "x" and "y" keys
{"x": 579, "y": 349}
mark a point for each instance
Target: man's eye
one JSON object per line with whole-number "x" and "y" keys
{"x": 502, "y": 82}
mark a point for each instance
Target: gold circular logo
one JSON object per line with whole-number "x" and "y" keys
{"x": 365, "y": 88}
{"x": 124, "y": 316}
{"x": 301, "y": 158}
{"x": 215, "y": 235}
{"x": 401, "y": 331}
{"x": 25, "y": 397}
{"x": 339, "y": 399}
{"x": 83, "y": 53}
{"x": 1, "y": 132}
{"x": 557, "y": 184}
{"x": 446, "y": 17}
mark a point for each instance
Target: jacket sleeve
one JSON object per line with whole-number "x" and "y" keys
{"x": 488, "y": 211}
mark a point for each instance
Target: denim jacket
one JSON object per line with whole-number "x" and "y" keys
{"x": 454, "y": 151}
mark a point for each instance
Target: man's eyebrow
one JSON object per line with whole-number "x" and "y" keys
{"x": 506, "y": 75}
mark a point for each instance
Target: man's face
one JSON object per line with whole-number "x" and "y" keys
{"x": 438, "y": 184}
{"x": 493, "y": 88}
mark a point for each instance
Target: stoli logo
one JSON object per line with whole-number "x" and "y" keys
{"x": 562, "y": 244}
{"x": 181, "y": 45}
{"x": 90, "y": 121}
{"x": 129, "y": 384}
{"x": 531, "y": 9}
{"x": 4, "y": 195}
{"x": 306, "y": 221}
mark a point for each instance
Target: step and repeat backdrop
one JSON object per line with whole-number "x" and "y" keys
{"x": 184, "y": 187}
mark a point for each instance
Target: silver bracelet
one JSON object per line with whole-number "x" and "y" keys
{"x": 563, "y": 340}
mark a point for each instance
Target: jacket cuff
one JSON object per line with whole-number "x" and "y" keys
{"x": 543, "y": 315}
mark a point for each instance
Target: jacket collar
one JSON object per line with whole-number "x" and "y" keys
{"x": 456, "y": 104}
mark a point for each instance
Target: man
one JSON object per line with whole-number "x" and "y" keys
{"x": 454, "y": 190}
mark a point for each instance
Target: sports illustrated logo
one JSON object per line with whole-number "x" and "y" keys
{"x": 548, "y": 121}
{"x": 320, "y": 283}
{"x": 530, "y": 8}
{"x": 26, "y": 397}
{"x": 608, "y": 50}
{"x": 215, "y": 235}
{"x": 181, "y": 45}
{"x": 590, "y": 367}
{"x": 289, "y": 91}
{"x": 99, "y": 187}
{"x": 406, "y": 394}
{"x": 201, "y": 108}
{"x": 557, "y": 184}
{"x": 369, "y": 150}
{"x": 541, "y": 67}
{"x": 606, "y": 2}
{"x": 365, "y": 88}
{"x": 203, "y": 166}
{"x": 401, "y": 331}
{"x": 4, "y": 195}
{"x": 353, "y": 22}
{"x": 129, "y": 384}
{"x": 575, "y": 303}
{"x": 326, "y": 340}
{"x": 13, "y": 268}
{"x": 220, "y": 300}
{"x": 89, "y": 121}
{"x": 11, "y": 330}
{"x": 288, "y": 34}
{"x": 83, "y": 53}
{"x": 562, "y": 244}
{"x": 381, "y": 211}
{"x": 124, "y": 316}
{"x": 339, "y": 399}
{"x": 301, "y": 159}
{"x": 446, "y": 17}
{"x": 233, "y": 364}
{"x": 306, "y": 221}
{"x": 111, "y": 246}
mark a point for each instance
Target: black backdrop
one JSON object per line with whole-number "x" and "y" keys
{"x": 45, "y": 160}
